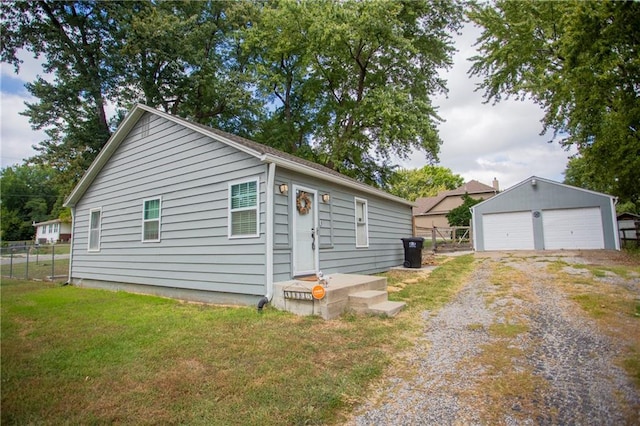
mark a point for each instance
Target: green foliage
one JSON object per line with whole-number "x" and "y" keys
{"x": 461, "y": 215}
{"x": 28, "y": 195}
{"x": 579, "y": 62}
{"x": 354, "y": 79}
{"x": 627, "y": 207}
{"x": 347, "y": 84}
{"x": 428, "y": 181}
{"x": 77, "y": 45}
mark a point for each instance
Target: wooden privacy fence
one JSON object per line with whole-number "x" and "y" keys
{"x": 455, "y": 238}
{"x": 630, "y": 236}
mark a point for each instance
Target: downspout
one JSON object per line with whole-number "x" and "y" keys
{"x": 271, "y": 176}
{"x": 73, "y": 228}
{"x": 473, "y": 229}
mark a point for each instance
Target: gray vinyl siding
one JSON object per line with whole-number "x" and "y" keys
{"x": 388, "y": 222}
{"x": 545, "y": 195}
{"x": 191, "y": 173}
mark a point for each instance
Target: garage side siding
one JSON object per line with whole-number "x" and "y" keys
{"x": 536, "y": 197}
{"x": 190, "y": 174}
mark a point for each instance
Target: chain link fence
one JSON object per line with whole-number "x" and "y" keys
{"x": 33, "y": 261}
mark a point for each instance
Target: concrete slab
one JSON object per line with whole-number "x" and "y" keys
{"x": 295, "y": 295}
{"x": 360, "y": 301}
{"x": 387, "y": 308}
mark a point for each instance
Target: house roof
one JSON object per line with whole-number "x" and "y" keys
{"x": 531, "y": 179}
{"x": 628, "y": 216}
{"x": 264, "y": 153}
{"x": 426, "y": 204}
{"x": 46, "y": 222}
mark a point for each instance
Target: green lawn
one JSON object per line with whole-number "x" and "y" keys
{"x": 73, "y": 355}
{"x": 41, "y": 269}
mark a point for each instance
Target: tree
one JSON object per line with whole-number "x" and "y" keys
{"x": 187, "y": 58}
{"x": 77, "y": 42}
{"x": 428, "y": 181}
{"x": 354, "y": 79}
{"x": 579, "y": 62}
{"x": 181, "y": 57}
{"x": 28, "y": 195}
{"x": 343, "y": 83}
{"x": 461, "y": 215}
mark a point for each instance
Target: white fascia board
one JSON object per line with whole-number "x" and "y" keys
{"x": 309, "y": 171}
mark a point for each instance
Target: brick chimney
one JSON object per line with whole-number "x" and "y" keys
{"x": 496, "y": 185}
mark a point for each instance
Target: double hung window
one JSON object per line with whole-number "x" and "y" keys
{"x": 243, "y": 209}
{"x": 95, "y": 223}
{"x": 151, "y": 219}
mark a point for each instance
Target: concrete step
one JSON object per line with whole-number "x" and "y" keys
{"x": 362, "y": 300}
{"x": 388, "y": 308}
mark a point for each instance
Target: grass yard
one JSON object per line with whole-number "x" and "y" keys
{"x": 72, "y": 355}
{"x": 38, "y": 270}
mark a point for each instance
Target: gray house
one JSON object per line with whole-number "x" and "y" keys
{"x": 540, "y": 214}
{"x": 174, "y": 208}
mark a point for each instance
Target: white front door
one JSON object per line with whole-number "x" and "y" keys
{"x": 305, "y": 235}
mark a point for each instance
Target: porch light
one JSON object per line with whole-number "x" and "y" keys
{"x": 326, "y": 198}
{"x": 284, "y": 188}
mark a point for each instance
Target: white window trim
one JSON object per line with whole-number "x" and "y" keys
{"x": 89, "y": 249}
{"x": 357, "y": 200}
{"x": 159, "y": 219}
{"x": 255, "y": 179}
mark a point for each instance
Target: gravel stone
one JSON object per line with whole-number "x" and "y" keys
{"x": 563, "y": 348}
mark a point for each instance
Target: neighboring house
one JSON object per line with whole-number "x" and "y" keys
{"x": 627, "y": 225}
{"x": 431, "y": 212}
{"x": 52, "y": 231}
{"x": 540, "y": 214}
{"x": 178, "y": 209}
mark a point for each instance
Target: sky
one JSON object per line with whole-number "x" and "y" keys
{"x": 480, "y": 141}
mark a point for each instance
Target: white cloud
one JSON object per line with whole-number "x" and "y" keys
{"x": 15, "y": 131}
{"x": 29, "y": 69}
{"x": 482, "y": 141}
{"x": 16, "y": 135}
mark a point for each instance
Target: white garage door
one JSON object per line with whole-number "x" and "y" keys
{"x": 573, "y": 229}
{"x": 508, "y": 231}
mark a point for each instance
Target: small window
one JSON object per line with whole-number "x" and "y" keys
{"x": 243, "y": 209}
{"x": 362, "y": 228}
{"x": 151, "y": 220}
{"x": 95, "y": 223}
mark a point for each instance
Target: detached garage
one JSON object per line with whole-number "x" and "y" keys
{"x": 540, "y": 214}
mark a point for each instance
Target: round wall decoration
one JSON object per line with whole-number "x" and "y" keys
{"x": 303, "y": 203}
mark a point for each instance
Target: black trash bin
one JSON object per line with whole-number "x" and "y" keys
{"x": 413, "y": 252}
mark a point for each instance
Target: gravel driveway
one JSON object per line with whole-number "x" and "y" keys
{"x": 518, "y": 351}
